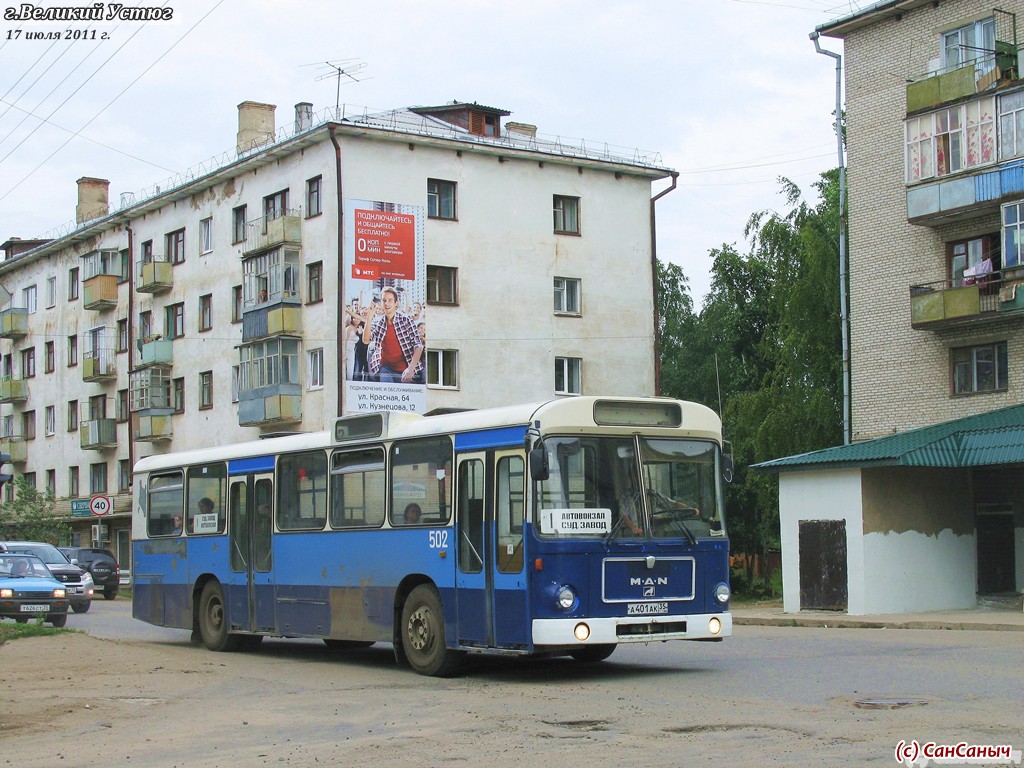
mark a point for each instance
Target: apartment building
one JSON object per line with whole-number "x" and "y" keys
{"x": 926, "y": 508}
{"x": 230, "y": 302}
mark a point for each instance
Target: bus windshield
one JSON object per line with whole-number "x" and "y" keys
{"x": 631, "y": 487}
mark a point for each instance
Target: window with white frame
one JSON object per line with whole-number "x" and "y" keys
{"x": 267, "y": 363}
{"x": 271, "y": 276}
{"x": 567, "y": 376}
{"x": 567, "y": 215}
{"x": 982, "y": 368}
{"x": 950, "y": 140}
{"x": 105, "y": 262}
{"x": 28, "y": 298}
{"x": 315, "y": 369}
{"x": 51, "y": 420}
{"x": 567, "y": 295}
{"x": 443, "y": 368}
{"x": 206, "y": 235}
{"x": 1011, "y": 125}
{"x": 51, "y": 292}
{"x": 974, "y": 42}
{"x": 235, "y": 377}
{"x": 1013, "y": 234}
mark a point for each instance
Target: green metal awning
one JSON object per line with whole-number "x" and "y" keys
{"x": 987, "y": 439}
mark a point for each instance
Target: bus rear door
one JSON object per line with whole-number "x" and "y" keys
{"x": 491, "y": 593}
{"x": 251, "y": 529}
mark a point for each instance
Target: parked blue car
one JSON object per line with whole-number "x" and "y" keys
{"x": 28, "y": 590}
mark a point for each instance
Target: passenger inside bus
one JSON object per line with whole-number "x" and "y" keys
{"x": 412, "y": 514}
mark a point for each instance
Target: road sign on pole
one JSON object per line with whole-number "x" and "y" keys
{"x": 101, "y": 505}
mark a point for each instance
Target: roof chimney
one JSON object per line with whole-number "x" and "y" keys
{"x": 92, "y": 199}
{"x": 256, "y": 125}
{"x": 303, "y": 116}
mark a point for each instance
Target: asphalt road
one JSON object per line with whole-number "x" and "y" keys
{"x": 767, "y": 696}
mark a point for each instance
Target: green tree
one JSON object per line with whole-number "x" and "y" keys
{"x": 32, "y": 516}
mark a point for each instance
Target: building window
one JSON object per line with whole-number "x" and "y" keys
{"x": 205, "y": 390}
{"x": 236, "y": 304}
{"x": 969, "y": 256}
{"x": 1013, "y": 234}
{"x": 97, "y": 407}
{"x": 315, "y": 369}
{"x": 122, "y": 405}
{"x": 313, "y": 189}
{"x": 442, "y": 284}
{"x": 126, "y": 269}
{"x": 567, "y": 215}
{"x": 267, "y": 363}
{"x": 72, "y": 415}
{"x": 72, "y": 283}
{"x": 28, "y": 299}
{"x": 238, "y": 224}
{"x": 443, "y": 368}
{"x": 175, "y": 242}
{"x": 122, "y": 335}
{"x": 51, "y": 482}
{"x": 974, "y": 42}
{"x": 314, "y": 282}
{"x": 147, "y": 252}
{"x": 28, "y": 363}
{"x": 178, "y": 395}
{"x": 174, "y": 322}
{"x": 98, "y": 477}
{"x": 72, "y": 350}
{"x": 206, "y": 312}
{"x": 440, "y": 199}
{"x": 146, "y": 326}
{"x": 50, "y": 357}
{"x": 271, "y": 276}
{"x": 234, "y": 383}
{"x": 1011, "y": 125}
{"x": 274, "y": 206}
{"x": 50, "y": 417}
{"x": 949, "y": 140}
{"x": 51, "y": 292}
{"x": 979, "y": 369}
{"x": 28, "y": 425}
{"x": 73, "y": 481}
{"x": 567, "y": 295}
{"x": 124, "y": 475}
{"x": 206, "y": 235}
{"x": 567, "y": 376}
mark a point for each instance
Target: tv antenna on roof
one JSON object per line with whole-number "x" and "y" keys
{"x": 340, "y": 69}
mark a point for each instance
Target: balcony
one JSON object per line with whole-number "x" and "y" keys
{"x": 943, "y": 304}
{"x": 100, "y": 365}
{"x": 155, "y": 276}
{"x": 100, "y": 292}
{"x": 13, "y": 390}
{"x": 16, "y": 447}
{"x": 283, "y": 319}
{"x": 151, "y": 429}
{"x": 155, "y": 351}
{"x": 98, "y": 434}
{"x": 264, "y": 234}
{"x": 270, "y": 406}
{"x": 13, "y": 322}
{"x": 977, "y": 76}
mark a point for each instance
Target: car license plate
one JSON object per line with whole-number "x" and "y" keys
{"x": 35, "y": 608}
{"x": 646, "y": 609}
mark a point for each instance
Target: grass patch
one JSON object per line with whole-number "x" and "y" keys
{"x": 9, "y": 630}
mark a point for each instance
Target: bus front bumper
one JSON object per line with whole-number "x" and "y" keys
{"x": 626, "y": 629}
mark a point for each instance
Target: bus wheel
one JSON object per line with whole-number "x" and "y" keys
{"x": 213, "y": 620}
{"x": 591, "y": 654}
{"x": 346, "y": 645}
{"x": 423, "y": 634}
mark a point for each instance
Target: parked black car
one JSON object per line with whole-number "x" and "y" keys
{"x": 101, "y": 563}
{"x": 77, "y": 581}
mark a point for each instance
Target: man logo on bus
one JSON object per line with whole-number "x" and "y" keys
{"x": 661, "y": 581}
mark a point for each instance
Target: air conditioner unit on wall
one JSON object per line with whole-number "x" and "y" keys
{"x": 100, "y": 533}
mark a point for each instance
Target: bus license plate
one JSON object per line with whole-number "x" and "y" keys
{"x": 646, "y": 609}
{"x": 35, "y": 608}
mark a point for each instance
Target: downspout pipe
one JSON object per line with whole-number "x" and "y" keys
{"x": 844, "y": 317}
{"x": 654, "y": 284}
{"x": 132, "y": 277}
{"x": 340, "y": 298}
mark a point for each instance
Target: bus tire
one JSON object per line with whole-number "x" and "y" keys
{"x": 422, "y": 632}
{"x": 213, "y": 620}
{"x": 591, "y": 654}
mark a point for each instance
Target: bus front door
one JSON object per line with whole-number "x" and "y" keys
{"x": 252, "y": 523}
{"x": 491, "y": 594}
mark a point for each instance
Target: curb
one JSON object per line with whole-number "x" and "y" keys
{"x": 823, "y": 622}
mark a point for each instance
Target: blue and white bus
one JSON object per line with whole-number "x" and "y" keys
{"x": 565, "y": 527}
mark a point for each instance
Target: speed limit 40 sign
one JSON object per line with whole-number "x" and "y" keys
{"x": 101, "y": 505}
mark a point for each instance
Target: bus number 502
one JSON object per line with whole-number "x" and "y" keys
{"x": 438, "y": 539}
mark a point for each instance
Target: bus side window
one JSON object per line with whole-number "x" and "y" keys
{"x": 166, "y": 501}
{"x": 509, "y": 508}
{"x": 302, "y": 491}
{"x": 207, "y": 493}
{"x": 357, "y": 489}
{"x": 421, "y": 472}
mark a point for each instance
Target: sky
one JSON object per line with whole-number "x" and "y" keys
{"x": 729, "y": 93}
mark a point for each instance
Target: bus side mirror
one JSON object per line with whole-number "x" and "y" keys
{"x": 727, "y": 467}
{"x": 539, "y": 463}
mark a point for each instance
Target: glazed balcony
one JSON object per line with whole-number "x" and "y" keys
{"x": 266, "y": 233}
{"x": 13, "y": 390}
{"x": 946, "y": 304}
{"x": 13, "y": 322}
{"x": 154, "y": 276}
{"x": 151, "y": 428}
{"x": 99, "y": 293}
{"x": 100, "y": 365}
{"x": 16, "y": 447}
{"x": 98, "y": 434}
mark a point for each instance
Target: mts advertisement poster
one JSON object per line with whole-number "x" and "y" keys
{"x": 384, "y": 323}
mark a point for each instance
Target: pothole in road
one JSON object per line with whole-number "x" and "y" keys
{"x": 893, "y": 702}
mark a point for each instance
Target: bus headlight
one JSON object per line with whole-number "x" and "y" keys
{"x": 581, "y": 632}
{"x": 723, "y": 593}
{"x": 565, "y": 597}
{"x": 714, "y": 625}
